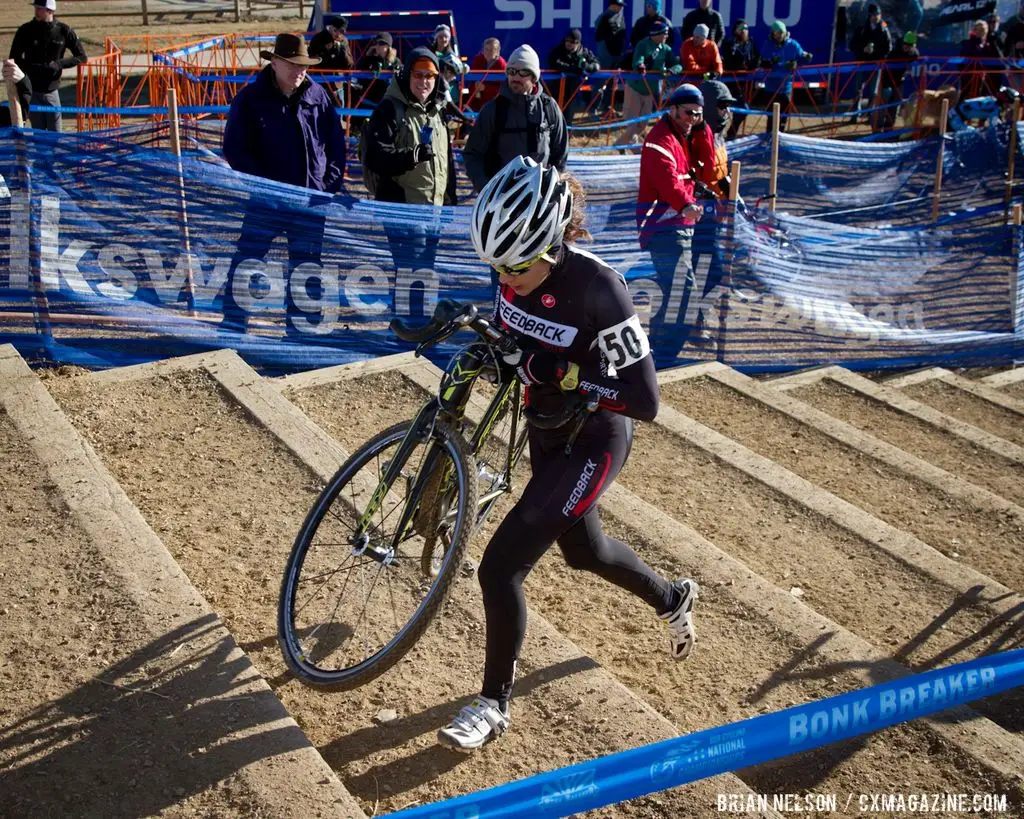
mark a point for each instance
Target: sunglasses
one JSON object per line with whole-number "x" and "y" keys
{"x": 696, "y": 113}
{"x": 424, "y": 75}
{"x": 518, "y": 72}
{"x": 522, "y": 267}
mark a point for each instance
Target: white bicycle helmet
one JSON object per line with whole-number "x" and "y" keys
{"x": 520, "y": 214}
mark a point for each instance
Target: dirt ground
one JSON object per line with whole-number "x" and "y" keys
{"x": 174, "y": 440}
{"x": 227, "y": 499}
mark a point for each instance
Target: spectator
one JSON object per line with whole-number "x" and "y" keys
{"x": 700, "y": 55}
{"x": 573, "y": 59}
{"x": 978, "y": 47}
{"x": 667, "y": 210}
{"x": 38, "y": 49}
{"x": 892, "y": 81}
{"x": 489, "y": 59}
{"x": 379, "y": 57}
{"x": 331, "y": 45}
{"x": 12, "y": 73}
{"x": 714, "y": 173}
{"x": 409, "y": 169}
{"x": 652, "y": 56}
{"x": 1015, "y": 33}
{"x": 521, "y": 120}
{"x": 451, "y": 70}
{"x": 997, "y": 35}
{"x": 705, "y": 15}
{"x": 653, "y": 18}
{"x": 283, "y": 127}
{"x": 610, "y": 34}
{"x": 413, "y": 165}
{"x": 718, "y": 102}
{"x": 783, "y": 54}
{"x": 444, "y": 46}
{"x": 739, "y": 54}
{"x": 871, "y": 43}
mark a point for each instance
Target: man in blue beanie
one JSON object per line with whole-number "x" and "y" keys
{"x": 667, "y": 211}
{"x": 653, "y": 18}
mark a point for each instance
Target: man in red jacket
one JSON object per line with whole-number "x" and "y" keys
{"x": 667, "y": 210}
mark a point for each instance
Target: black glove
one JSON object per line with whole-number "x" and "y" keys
{"x": 423, "y": 153}
{"x": 808, "y": 56}
{"x": 791, "y": 65}
{"x": 543, "y": 367}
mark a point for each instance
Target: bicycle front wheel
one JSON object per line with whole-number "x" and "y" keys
{"x": 355, "y": 598}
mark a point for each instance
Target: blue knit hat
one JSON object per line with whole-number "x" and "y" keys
{"x": 658, "y": 28}
{"x": 687, "y": 94}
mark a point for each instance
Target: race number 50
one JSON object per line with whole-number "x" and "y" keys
{"x": 624, "y": 344}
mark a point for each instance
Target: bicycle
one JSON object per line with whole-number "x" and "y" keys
{"x": 400, "y": 535}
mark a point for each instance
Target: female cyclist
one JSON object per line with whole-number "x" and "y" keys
{"x": 578, "y": 333}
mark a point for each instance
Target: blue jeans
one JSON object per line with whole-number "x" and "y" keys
{"x": 671, "y": 252}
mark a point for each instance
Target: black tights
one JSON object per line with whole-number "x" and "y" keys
{"x": 559, "y": 503}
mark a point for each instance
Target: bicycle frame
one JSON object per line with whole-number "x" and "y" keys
{"x": 449, "y": 405}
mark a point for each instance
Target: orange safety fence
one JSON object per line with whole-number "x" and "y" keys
{"x": 137, "y": 70}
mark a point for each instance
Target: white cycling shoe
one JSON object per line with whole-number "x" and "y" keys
{"x": 475, "y": 725}
{"x": 681, "y": 632}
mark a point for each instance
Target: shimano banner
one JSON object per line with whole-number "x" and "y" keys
{"x": 543, "y": 23}
{"x": 108, "y": 257}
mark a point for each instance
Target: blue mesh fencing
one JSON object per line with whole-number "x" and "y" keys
{"x": 100, "y": 237}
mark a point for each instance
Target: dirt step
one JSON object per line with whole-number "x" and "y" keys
{"x": 962, "y": 521}
{"x": 956, "y": 447}
{"x": 1009, "y": 382}
{"x": 750, "y": 658}
{"x": 969, "y": 401}
{"x": 183, "y": 434}
{"x": 126, "y": 695}
{"x": 940, "y": 610}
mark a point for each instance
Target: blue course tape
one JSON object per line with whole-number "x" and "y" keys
{"x": 629, "y": 774}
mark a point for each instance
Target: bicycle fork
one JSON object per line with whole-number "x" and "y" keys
{"x": 419, "y": 430}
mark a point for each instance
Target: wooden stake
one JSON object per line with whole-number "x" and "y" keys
{"x": 943, "y": 116}
{"x": 12, "y": 98}
{"x": 172, "y": 112}
{"x": 145, "y": 13}
{"x": 1011, "y": 164}
{"x": 1018, "y": 219}
{"x": 773, "y": 177}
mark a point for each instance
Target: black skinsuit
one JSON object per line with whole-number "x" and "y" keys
{"x": 583, "y": 312}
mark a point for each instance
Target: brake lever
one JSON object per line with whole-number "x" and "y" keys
{"x": 450, "y": 327}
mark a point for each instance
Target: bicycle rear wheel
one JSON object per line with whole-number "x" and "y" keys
{"x": 352, "y": 606}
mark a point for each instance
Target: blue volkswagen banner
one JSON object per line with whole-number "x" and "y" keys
{"x": 108, "y": 257}
{"x": 543, "y": 23}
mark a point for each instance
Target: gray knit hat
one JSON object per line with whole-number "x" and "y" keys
{"x": 525, "y": 57}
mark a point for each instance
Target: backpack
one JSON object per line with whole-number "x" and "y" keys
{"x": 372, "y": 178}
{"x": 501, "y": 106}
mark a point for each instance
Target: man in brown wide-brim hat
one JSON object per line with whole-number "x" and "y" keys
{"x": 291, "y": 48}
{"x": 282, "y": 126}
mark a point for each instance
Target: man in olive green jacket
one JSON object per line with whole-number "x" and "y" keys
{"x": 409, "y": 169}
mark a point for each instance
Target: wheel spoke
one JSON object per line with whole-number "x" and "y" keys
{"x": 351, "y": 605}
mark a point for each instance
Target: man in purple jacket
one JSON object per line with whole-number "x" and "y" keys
{"x": 282, "y": 127}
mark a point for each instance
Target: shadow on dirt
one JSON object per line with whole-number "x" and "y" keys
{"x": 808, "y": 770}
{"x": 410, "y": 772}
{"x": 169, "y": 721}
